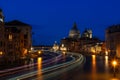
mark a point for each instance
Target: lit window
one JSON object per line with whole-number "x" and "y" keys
{"x": 1, "y": 53}
{"x": 10, "y": 37}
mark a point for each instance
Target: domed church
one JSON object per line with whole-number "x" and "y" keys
{"x": 74, "y": 32}
{"x": 76, "y": 42}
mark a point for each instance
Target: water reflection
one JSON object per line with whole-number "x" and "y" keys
{"x": 64, "y": 56}
{"x": 106, "y": 63}
{"x": 93, "y": 60}
{"x": 93, "y": 67}
{"x": 39, "y": 74}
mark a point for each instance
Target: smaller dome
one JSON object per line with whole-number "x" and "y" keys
{"x": 87, "y": 33}
{"x": 74, "y": 32}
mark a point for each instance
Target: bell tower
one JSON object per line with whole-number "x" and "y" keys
{"x": 2, "y": 40}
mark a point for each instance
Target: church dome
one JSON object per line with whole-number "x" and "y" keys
{"x": 74, "y": 32}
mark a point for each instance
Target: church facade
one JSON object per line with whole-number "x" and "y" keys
{"x": 77, "y": 42}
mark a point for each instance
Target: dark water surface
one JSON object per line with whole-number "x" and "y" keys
{"x": 94, "y": 68}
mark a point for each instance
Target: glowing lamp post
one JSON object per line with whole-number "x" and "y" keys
{"x": 39, "y": 52}
{"x": 114, "y": 63}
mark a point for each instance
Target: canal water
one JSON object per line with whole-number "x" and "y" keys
{"x": 94, "y": 68}
{"x": 36, "y": 67}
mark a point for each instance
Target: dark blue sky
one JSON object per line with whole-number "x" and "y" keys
{"x": 52, "y": 19}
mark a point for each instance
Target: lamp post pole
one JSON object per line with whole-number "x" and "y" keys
{"x": 114, "y": 63}
{"x": 114, "y": 72}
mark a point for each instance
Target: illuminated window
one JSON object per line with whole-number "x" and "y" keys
{"x": 10, "y": 37}
{"x": 1, "y": 53}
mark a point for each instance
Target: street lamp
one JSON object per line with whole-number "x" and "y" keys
{"x": 39, "y": 52}
{"x": 114, "y": 63}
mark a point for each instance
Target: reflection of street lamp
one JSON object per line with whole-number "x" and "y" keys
{"x": 114, "y": 63}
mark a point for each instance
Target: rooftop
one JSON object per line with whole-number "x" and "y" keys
{"x": 16, "y": 22}
{"x": 113, "y": 28}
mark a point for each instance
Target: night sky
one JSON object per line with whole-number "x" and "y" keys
{"x": 51, "y": 20}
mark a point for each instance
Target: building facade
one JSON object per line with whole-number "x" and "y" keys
{"x": 2, "y": 39}
{"x": 15, "y": 39}
{"x": 113, "y": 40}
{"x": 18, "y": 39}
{"x": 86, "y": 43}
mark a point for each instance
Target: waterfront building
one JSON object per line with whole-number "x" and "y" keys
{"x": 42, "y": 47}
{"x": 86, "y": 43}
{"x": 113, "y": 40}
{"x": 15, "y": 39}
{"x": 18, "y": 39}
{"x": 55, "y": 47}
{"x": 2, "y": 40}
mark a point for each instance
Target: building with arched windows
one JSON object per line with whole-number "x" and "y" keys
{"x": 15, "y": 39}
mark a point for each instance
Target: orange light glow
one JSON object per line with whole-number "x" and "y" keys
{"x": 93, "y": 60}
{"x": 93, "y": 66}
{"x": 39, "y": 61}
{"x": 106, "y": 64}
{"x": 39, "y": 52}
{"x": 24, "y": 51}
{"x": 106, "y": 61}
{"x": 64, "y": 52}
{"x": 1, "y": 53}
{"x": 106, "y": 53}
{"x": 114, "y": 63}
